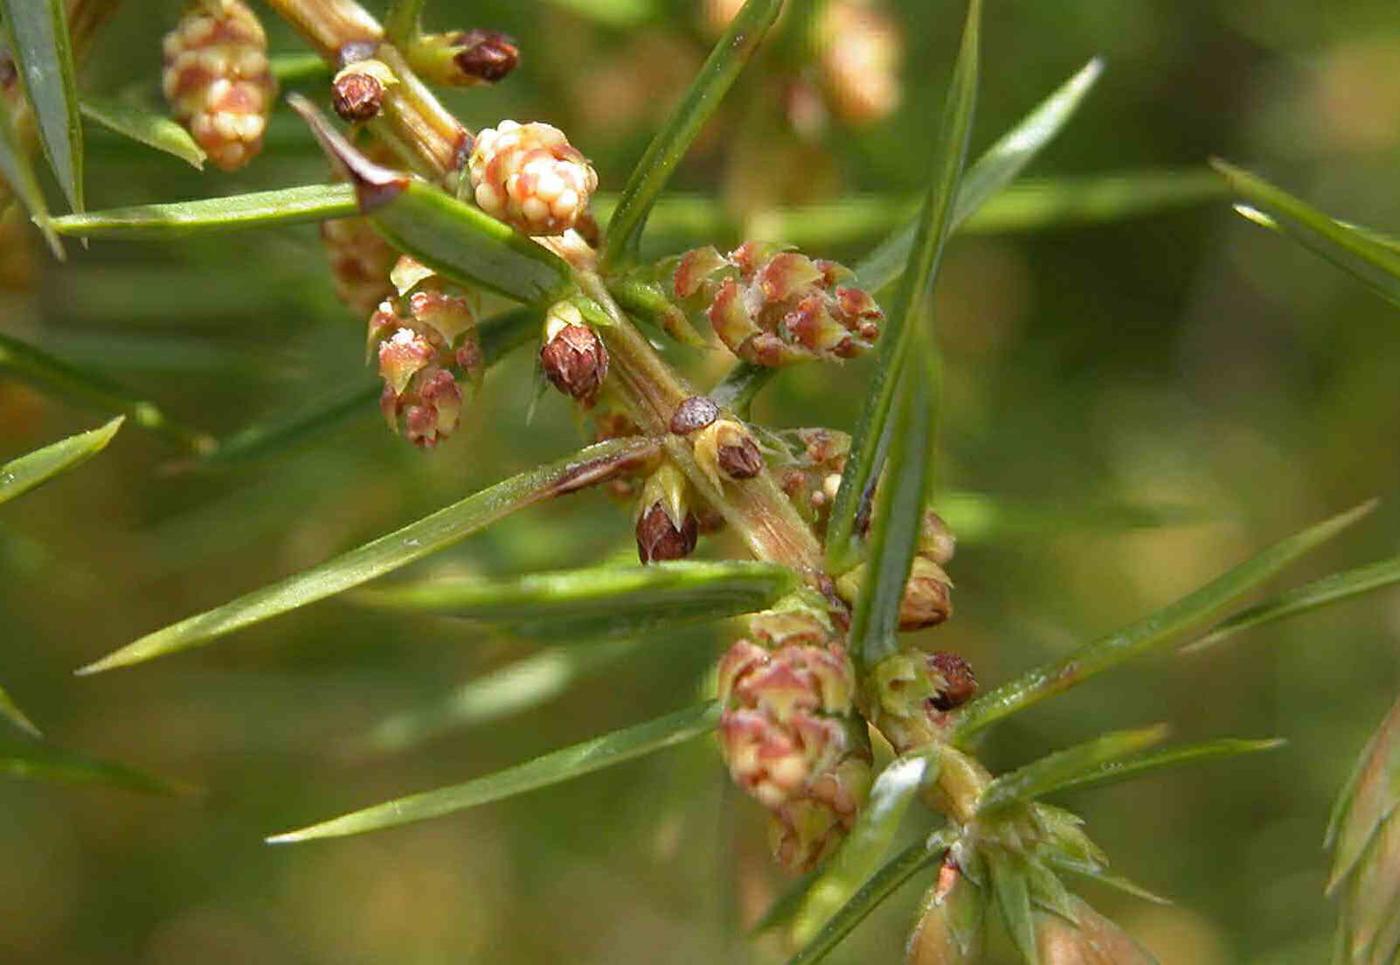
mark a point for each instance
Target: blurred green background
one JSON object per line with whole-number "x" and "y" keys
{"x": 1186, "y": 360}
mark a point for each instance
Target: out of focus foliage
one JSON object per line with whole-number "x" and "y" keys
{"x": 1187, "y": 359}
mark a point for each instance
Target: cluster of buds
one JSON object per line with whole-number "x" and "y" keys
{"x": 911, "y": 692}
{"x": 859, "y": 51}
{"x": 529, "y": 176}
{"x": 572, "y": 356}
{"x": 463, "y": 58}
{"x": 667, "y": 528}
{"x": 813, "y": 476}
{"x": 218, "y": 80}
{"x": 426, "y": 344}
{"x": 790, "y": 735}
{"x": 773, "y": 306}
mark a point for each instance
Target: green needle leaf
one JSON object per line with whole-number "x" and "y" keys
{"x": 1113, "y": 771}
{"x": 62, "y": 381}
{"x": 18, "y": 173}
{"x": 1355, "y": 251}
{"x": 552, "y": 768}
{"x": 145, "y": 127}
{"x": 42, "y": 762}
{"x": 39, "y": 42}
{"x": 1161, "y": 629}
{"x": 871, "y": 895}
{"x": 1065, "y": 767}
{"x": 512, "y": 689}
{"x": 611, "y": 13}
{"x": 901, "y": 339}
{"x": 599, "y": 601}
{"x": 459, "y": 241}
{"x": 401, "y": 21}
{"x": 1011, "y": 886}
{"x": 387, "y": 553}
{"x": 23, "y": 474}
{"x": 994, "y": 170}
{"x": 1302, "y": 599}
{"x": 182, "y": 219}
{"x": 649, "y": 177}
{"x": 863, "y": 849}
{"x": 9, "y": 709}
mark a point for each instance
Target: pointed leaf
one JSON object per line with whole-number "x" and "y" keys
{"x": 62, "y": 381}
{"x": 39, "y": 43}
{"x": 865, "y": 847}
{"x": 552, "y": 768}
{"x": 512, "y": 689}
{"x": 1088, "y": 937}
{"x": 9, "y": 710}
{"x": 1065, "y": 767}
{"x": 599, "y": 601}
{"x": 387, "y": 553}
{"x": 649, "y": 177}
{"x": 1302, "y": 599}
{"x": 1376, "y": 264}
{"x": 1095, "y": 873}
{"x": 43, "y": 762}
{"x": 1370, "y": 798}
{"x": 993, "y": 171}
{"x": 898, "y": 341}
{"x": 1370, "y": 898}
{"x": 871, "y": 895}
{"x": 23, "y": 474}
{"x": 1161, "y": 629}
{"x": 18, "y": 174}
{"x": 1042, "y": 203}
{"x": 182, "y": 219}
{"x": 1011, "y": 886}
{"x": 145, "y": 127}
{"x": 457, "y": 240}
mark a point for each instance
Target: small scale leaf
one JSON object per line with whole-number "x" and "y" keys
{"x": 70, "y": 384}
{"x": 898, "y": 343}
{"x": 994, "y": 170}
{"x": 1370, "y": 798}
{"x": 145, "y": 127}
{"x": 1160, "y": 629}
{"x": 871, "y": 895}
{"x": 387, "y": 553}
{"x": 1358, "y": 252}
{"x": 1011, "y": 886}
{"x": 18, "y": 174}
{"x": 1065, "y": 767}
{"x": 553, "y": 768}
{"x": 599, "y": 601}
{"x": 864, "y": 848}
{"x": 182, "y": 219}
{"x": 40, "y": 45}
{"x": 23, "y": 474}
{"x": 457, "y": 240}
{"x": 10, "y": 711}
{"x": 43, "y": 762}
{"x": 511, "y": 689}
{"x": 1303, "y": 599}
{"x": 733, "y": 50}
{"x": 1095, "y": 873}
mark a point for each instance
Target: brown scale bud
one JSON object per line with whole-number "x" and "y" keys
{"x": 529, "y": 176}
{"x": 218, "y": 80}
{"x": 927, "y": 597}
{"x": 667, "y": 528}
{"x": 726, "y": 449}
{"x": 426, "y": 346}
{"x": 693, "y": 414}
{"x": 959, "y": 683}
{"x": 357, "y": 91}
{"x": 464, "y": 58}
{"x": 773, "y": 306}
{"x": 573, "y": 357}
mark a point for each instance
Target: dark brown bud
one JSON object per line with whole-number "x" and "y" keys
{"x": 693, "y": 414}
{"x": 927, "y": 596}
{"x": 959, "y": 684}
{"x": 574, "y": 359}
{"x": 659, "y": 539}
{"x": 487, "y": 55}
{"x": 356, "y": 96}
{"x": 741, "y": 460}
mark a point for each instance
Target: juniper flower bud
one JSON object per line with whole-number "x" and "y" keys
{"x": 927, "y": 597}
{"x": 774, "y": 307}
{"x": 218, "y": 81}
{"x": 807, "y": 828}
{"x": 573, "y": 357}
{"x": 959, "y": 684}
{"x": 529, "y": 176}
{"x": 666, "y": 528}
{"x": 725, "y": 449}
{"x": 357, "y": 91}
{"x": 693, "y": 414}
{"x": 859, "y": 61}
{"x": 464, "y": 58}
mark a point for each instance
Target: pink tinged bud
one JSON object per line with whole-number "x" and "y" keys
{"x": 448, "y": 315}
{"x": 695, "y": 269}
{"x": 402, "y": 356}
{"x": 786, "y": 275}
{"x": 730, "y": 317}
{"x": 531, "y": 177}
{"x": 575, "y": 361}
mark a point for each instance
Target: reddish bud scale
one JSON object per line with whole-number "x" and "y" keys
{"x": 575, "y": 361}
{"x": 775, "y": 307}
{"x": 659, "y": 539}
{"x": 218, "y": 81}
{"x": 485, "y": 55}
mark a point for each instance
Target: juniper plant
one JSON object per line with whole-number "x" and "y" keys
{"x": 829, "y": 714}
